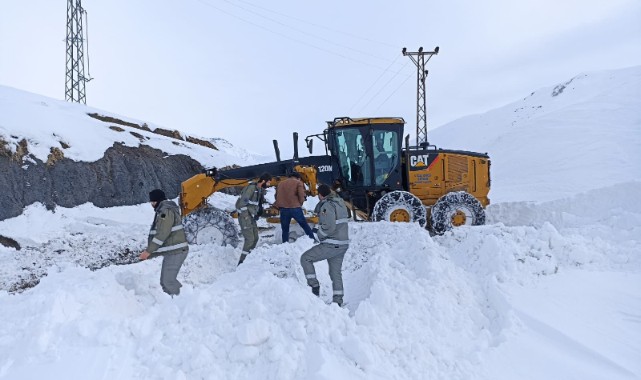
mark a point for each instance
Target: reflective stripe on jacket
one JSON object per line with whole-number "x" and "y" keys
{"x": 167, "y": 234}
{"x": 332, "y": 220}
{"x": 249, "y": 198}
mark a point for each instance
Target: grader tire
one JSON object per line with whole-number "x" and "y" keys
{"x": 211, "y": 226}
{"x": 400, "y": 206}
{"x": 456, "y": 209}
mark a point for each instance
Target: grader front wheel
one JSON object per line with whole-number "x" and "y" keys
{"x": 456, "y": 209}
{"x": 211, "y": 226}
{"x": 400, "y": 206}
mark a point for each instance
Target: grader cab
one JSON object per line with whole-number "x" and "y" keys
{"x": 382, "y": 180}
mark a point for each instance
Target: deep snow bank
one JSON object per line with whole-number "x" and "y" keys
{"x": 411, "y": 311}
{"x": 447, "y": 306}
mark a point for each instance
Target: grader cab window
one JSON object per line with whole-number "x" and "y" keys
{"x": 385, "y": 154}
{"x": 353, "y": 157}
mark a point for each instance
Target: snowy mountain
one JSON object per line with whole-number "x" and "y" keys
{"x": 548, "y": 289}
{"x": 560, "y": 140}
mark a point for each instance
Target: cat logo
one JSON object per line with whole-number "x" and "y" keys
{"x": 419, "y": 160}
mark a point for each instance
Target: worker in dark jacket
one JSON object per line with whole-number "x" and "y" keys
{"x": 167, "y": 239}
{"x": 249, "y": 206}
{"x": 333, "y": 234}
{"x": 290, "y": 195}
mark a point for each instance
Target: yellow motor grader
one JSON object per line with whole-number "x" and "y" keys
{"x": 366, "y": 163}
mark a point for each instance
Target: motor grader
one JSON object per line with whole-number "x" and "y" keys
{"x": 366, "y": 163}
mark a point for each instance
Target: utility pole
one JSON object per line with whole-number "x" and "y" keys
{"x": 418, "y": 57}
{"x": 75, "y": 74}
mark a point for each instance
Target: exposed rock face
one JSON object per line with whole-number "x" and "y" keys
{"x": 123, "y": 176}
{"x": 9, "y": 242}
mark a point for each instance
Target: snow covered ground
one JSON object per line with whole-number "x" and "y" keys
{"x": 550, "y": 288}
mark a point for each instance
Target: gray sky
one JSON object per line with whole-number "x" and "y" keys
{"x": 251, "y": 71}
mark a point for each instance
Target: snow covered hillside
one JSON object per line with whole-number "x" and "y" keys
{"x": 572, "y": 137}
{"x": 47, "y": 123}
{"x": 62, "y": 154}
{"x": 548, "y": 289}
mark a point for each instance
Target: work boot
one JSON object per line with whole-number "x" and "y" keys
{"x": 242, "y": 258}
{"x": 316, "y": 290}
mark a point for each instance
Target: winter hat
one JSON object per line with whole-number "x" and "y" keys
{"x": 157, "y": 195}
{"x": 324, "y": 190}
{"x": 265, "y": 177}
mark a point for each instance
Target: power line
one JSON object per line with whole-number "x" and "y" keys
{"x": 372, "y": 85}
{"x": 318, "y": 25}
{"x": 314, "y": 46}
{"x": 289, "y": 37}
{"x": 382, "y": 88}
{"x": 305, "y": 32}
{"x": 393, "y": 92}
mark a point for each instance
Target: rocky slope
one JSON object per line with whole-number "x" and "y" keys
{"x": 123, "y": 176}
{"x": 67, "y": 154}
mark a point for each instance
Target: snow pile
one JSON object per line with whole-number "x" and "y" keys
{"x": 415, "y": 305}
{"x": 260, "y": 321}
{"x": 256, "y": 322}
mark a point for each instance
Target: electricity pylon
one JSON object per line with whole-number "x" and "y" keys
{"x": 75, "y": 73}
{"x": 418, "y": 57}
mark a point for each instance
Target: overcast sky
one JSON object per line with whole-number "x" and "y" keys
{"x": 252, "y": 71}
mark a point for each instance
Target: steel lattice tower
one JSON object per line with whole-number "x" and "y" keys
{"x": 418, "y": 58}
{"x": 75, "y": 73}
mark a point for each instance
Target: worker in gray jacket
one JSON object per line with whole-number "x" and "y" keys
{"x": 167, "y": 239}
{"x": 249, "y": 206}
{"x": 333, "y": 234}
